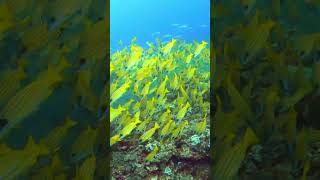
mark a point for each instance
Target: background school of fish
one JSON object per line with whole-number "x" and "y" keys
{"x": 53, "y": 73}
{"x": 266, "y": 89}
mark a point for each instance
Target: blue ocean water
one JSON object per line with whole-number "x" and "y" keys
{"x": 150, "y": 19}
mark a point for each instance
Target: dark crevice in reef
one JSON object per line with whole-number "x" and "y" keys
{"x": 191, "y": 160}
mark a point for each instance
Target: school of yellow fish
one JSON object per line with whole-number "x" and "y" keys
{"x": 159, "y": 91}
{"x": 52, "y": 39}
{"x": 266, "y": 89}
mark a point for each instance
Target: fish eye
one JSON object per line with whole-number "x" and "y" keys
{"x": 302, "y": 53}
{"x": 246, "y": 7}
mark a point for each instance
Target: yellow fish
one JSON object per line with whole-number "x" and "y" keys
{"x": 71, "y": 45}
{"x": 55, "y": 137}
{"x": 162, "y": 100}
{"x": 179, "y": 129}
{"x": 166, "y": 49}
{"x": 92, "y": 45}
{"x": 18, "y": 162}
{"x": 114, "y": 139}
{"x": 254, "y": 42}
{"x": 145, "y": 90}
{"x": 122, "y": 73}
{"x": 230, "y": 161}
{"x": 189, "y": 57}
{"x": 128, "y": 128}
{"x": 84, "y": 89}
{"x": 36, "y": 37}
{"x": 120, "y": 91}
{"x": 143, "y": 73}
{"x": 136, "y": 117}
{"x": 124, "y": 118}
{"x": 182, "y": 112}
{"x": 134, "y": 40}
{"x": 184, "y": 93}
{"x": 190, "y": 73}
{"x": 165, "y": 116}
{"x": 143, "y": 125}
{"x": 206, "y": 75}
{"x": 135, "y": 55}
{"x": 10, "y": 83}
{"x": 48, "y": 172}
{"x": 84, "y": 144}
{"x": 147, "y": 135}
{"x": 150, "y": 106}
{"x": 162, "y": 86}
{"x": 114, "y": 86}
{"x": 152, "y": 154}
{"x": 114, "y": 113}
{"x": 306, "y": 43}
{"x": 87, "y": 169}
{"x": 128, "y": 104}
{"x": 111, "y": 67}
{"x": 164, "y": 131}
{"x": 195, "y": 94}
{"x": 175, "y": 83}
{"x": 199, "y": 48}
{"x": 162, "y": 65}
{"x": 201, "y": 126}
{"x": 171, "y": 127}
{"x": 30, "y": 97}
{"x": 136, "y": 88}
{"x": 180, "y": 99}
{"x": 150, "y": 62}
{"x": 136, "y": 106}
{"x": 171, "y": 66}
